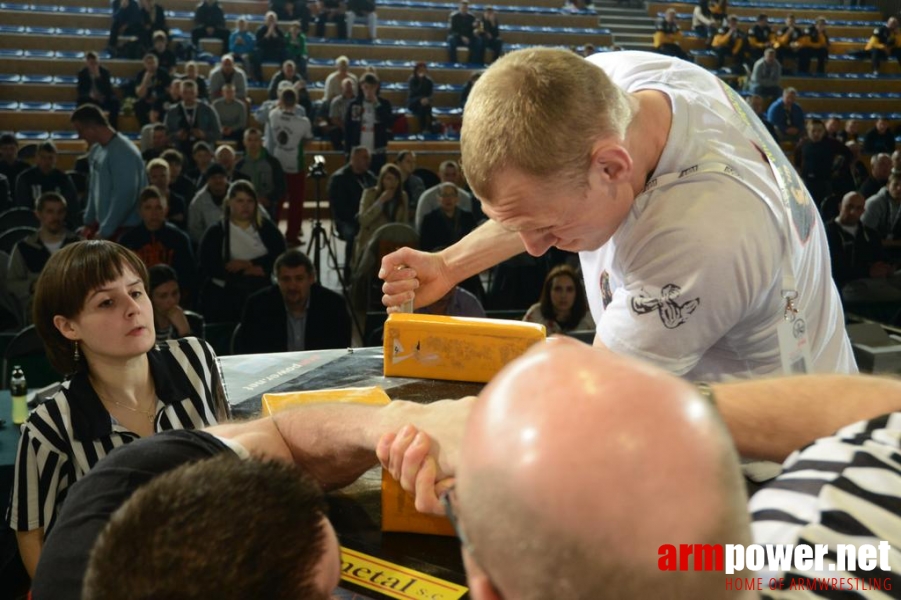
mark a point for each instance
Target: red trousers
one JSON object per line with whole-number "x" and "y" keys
{"x": 296, "y": 183}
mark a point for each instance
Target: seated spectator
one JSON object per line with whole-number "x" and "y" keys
{"x": 852, "y": 175}
{"x": 11, "y": 165}
{"x": 362, "y": 9}
{"x": 458, "y": 302}
{"x": 179, "y": 183}
{"x": 296, "y": 314}
{"x": 209, "y": 22}
{"x": 760, "y": 38}
{"x": 296, "y": 48}
{"x": 851, "y": 132}
{"x": 170, "y": 98}
{"x": 45, "y": 177}
{"x": 292, "y": 10}
{"x": 703, "y": 23}
{"x": 6, "y": 195}
{"x": 787, "y": 116}
{"x": 288, "y": 73}
{"x": 262, "y": 170}
{"x": 32, "y": 252}
{"x": 226, "y": 157}
{"x": 757, "y": 104}
{"x": 880, "y": 170}
{"x": 158, "y": 242}
{"x": 885, "y": 43}
{"x": 447, "y": 224}
{"x": 334, "y": 83}
{"x": 345, "y": 190}
{"x": 192, "y": 74}
{"x": 237, "y": 253}
{"x": 818, "y": 159}
{"x": 149, "y": 86}
{"x": 879, "y": 139}
{"x": 814, "y": 44}
{"x": 228, "y": 73}
{"x": 420, "y": 88}
{"x": 896, "y": 161}
{"x": 206, "y": 208}
{"x": 243, "y": 46}
{"x": 730, "y": 41}
{"x": 767, "y": 75}
{"x": 126, "y": 21}
{"x": 563, "y": 306}
{"x": 331, "y": 10}
{"x": 201, "y": 159}
{"x": 116, "y": 176}
{"x": 270, "y": 41}
{"x": 467, "y": 87}
{"x": 385, "y": 203}
{"x": 413, "y": 184}
{"x": 489, "y": 29}
{"x": 334, "y": 129}
{"x": 158, "y": 175}
{"x": 159, "y": 142}
{"x": 370, "y": 114}
{"x": 160, "y": 48}
{"x": 232, "y": 114}
{"x": 448, "y": 172}
{"x": 461, "y": 32}
{"x": 859, "y": 267}
{"x": 834, "y": 128}
{"x": 788, "y": 41}
{"x": 153, "y": 20}
{"x": 95, "y": 86}
{"x": 883, "y": 214}
{"x": 190, "y": 121}
{"x": 169, "y": 319}
{"x": 668, "y": 37}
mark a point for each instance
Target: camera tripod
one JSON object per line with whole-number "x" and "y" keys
{"x": 319, "y": 238}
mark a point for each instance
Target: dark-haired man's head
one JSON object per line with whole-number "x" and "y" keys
{"x": 242, "y": 529}
{"x": 50, "y": 209}
{"x": 295, "y": 275}
{"x": 90, "y": 123}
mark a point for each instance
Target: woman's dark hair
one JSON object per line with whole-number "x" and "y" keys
{"x": 242, "y": 185}
{"x": 390, "y": 208}
{"x": 160, "y": 274}
{"x": 63, "y": 286}
{"x": 580, "y": 304}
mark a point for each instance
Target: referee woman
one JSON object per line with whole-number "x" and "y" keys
{"x": 92, "y": 311}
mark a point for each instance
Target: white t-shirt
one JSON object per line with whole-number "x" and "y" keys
{"x": 692, "y": 278}
{"x": 367, "y": 126}
{"x": 288, "y": 131}
{"x": 245, "y": 244}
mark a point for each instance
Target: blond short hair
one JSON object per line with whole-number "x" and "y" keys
{"x": 539, "y": 111}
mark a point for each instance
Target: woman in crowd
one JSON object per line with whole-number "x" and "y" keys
{"x": 237, "y": 254}
{"x": 563, "y": 306}
{"x": 169, "y": 318}
{"x": 385, "y": 203}
{"x": 419, "y": 99}
{"x": 96, "y": 321}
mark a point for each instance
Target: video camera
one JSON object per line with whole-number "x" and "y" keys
{"x": 317, "y": 169}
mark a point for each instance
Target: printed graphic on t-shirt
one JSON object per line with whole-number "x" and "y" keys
{"x": 672, "y": 314}
{"x": 606, "y": 294}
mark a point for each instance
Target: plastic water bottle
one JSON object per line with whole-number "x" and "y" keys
{"x": 19, "y": 391}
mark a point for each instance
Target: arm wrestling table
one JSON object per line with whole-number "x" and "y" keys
{"x": 355, "y": 511}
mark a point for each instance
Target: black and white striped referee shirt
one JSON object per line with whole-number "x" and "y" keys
{"x": 843, "y": 489}
{"x": 67, "y": 435}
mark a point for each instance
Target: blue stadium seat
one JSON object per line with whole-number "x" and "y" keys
{"x": 64, "y": 106}
{"x": 10, "y": 78}
{"x": 10, "y": 53}
{"x": 30, "y": 106}
{"x": 32, "y": 136}
{"x": 63, "y": 135}
{"x": 69, "y": 53}
{"x": 37, "y": 79}
{"x": 70, "y": 30}
{"x": 65, "y": 79}
{"x": 40, "y": 30}
{"x": 8, "y": 105}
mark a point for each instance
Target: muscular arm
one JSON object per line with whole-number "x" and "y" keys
{"x": 771, "y": 418}
{"x": 336, "y": 443}
{"x": 485, "y": 247}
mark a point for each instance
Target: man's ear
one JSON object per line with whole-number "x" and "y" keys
{"x": 66, "y": 327}
{"x": 610, "y": 163}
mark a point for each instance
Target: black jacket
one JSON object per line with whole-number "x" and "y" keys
{"x": 104, "y": 85}
{"x": 264, "y": 324}
{"x": 353, "y": 120}
{"x": 209, "y": 15}
{"x": 852, "y": 256}
{"x": 344, "y": 192}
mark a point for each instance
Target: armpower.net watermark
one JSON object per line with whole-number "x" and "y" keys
{"x": 809, "y": 565}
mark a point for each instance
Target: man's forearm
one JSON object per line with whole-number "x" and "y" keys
{"x": 485, "y": 247}
{"x": 771, "y": 418}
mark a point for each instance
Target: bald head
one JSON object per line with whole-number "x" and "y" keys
{"x": 881, "y": 166}
{"x": 852, "y": 207}
{"x": 567, "y": 460}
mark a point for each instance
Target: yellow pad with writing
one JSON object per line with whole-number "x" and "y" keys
{"x": 454, "y": 348}
{"x": 394, "y": 580}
